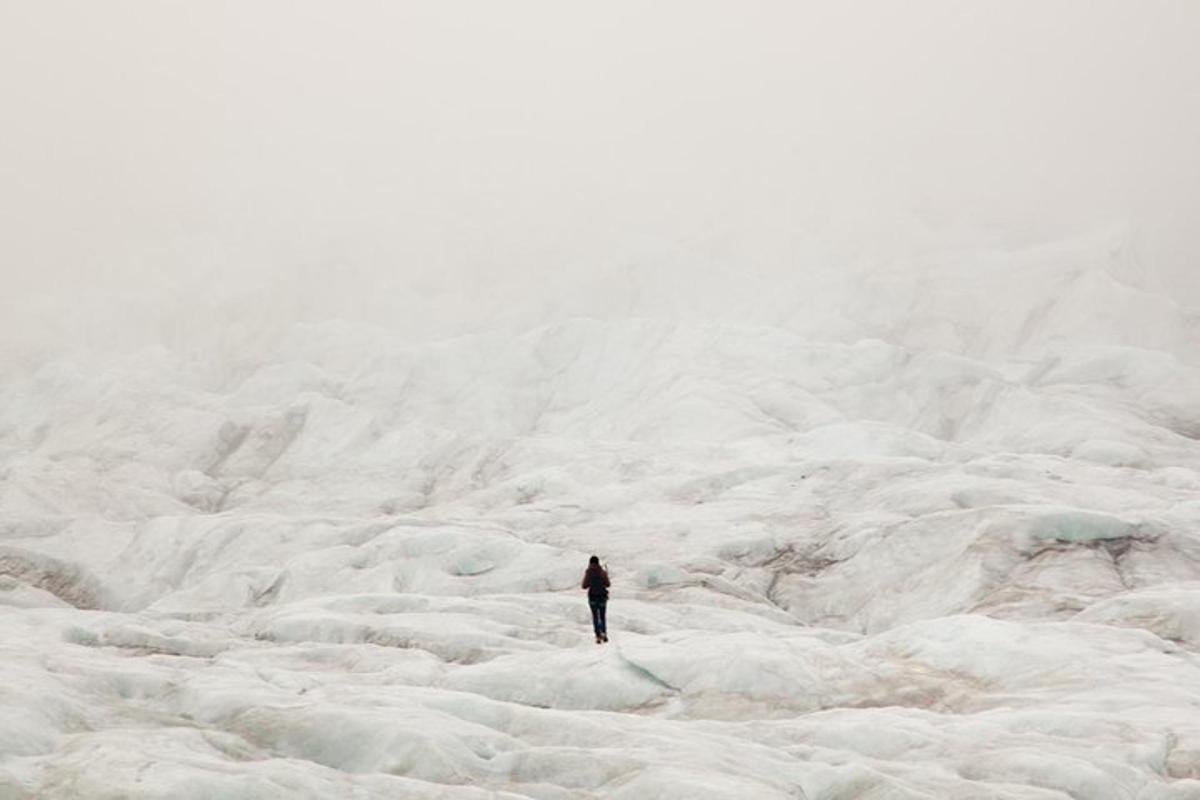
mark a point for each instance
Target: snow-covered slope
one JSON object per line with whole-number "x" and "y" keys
{"x": 921, "y": 534}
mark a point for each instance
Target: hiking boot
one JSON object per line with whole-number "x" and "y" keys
{"x": 599, "y": 639}
{"x": 604, "y": 636}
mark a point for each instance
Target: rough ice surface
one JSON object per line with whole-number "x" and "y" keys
{"x": 903, "y": 542}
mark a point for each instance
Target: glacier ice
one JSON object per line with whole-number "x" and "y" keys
{"x": 937, "y": 547}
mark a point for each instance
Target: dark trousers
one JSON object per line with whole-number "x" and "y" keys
{"x": 598, "y": 606}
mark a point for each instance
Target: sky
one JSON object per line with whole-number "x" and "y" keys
{"x": 335, "y": 153}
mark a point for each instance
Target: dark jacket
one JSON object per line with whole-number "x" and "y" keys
{"x": 595, "y": 580}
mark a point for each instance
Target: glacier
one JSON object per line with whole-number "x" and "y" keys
{"x": 903, "y": 533}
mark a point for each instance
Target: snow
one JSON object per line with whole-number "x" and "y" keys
{"x": 947, "y": 547}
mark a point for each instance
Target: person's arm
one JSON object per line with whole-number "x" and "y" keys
{"x": 606, "y": 583}
{"x": 584, "y": 585}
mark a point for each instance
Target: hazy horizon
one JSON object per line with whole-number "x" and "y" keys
{"x": 331, "y": 153}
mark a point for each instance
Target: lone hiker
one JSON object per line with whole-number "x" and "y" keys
{"x": 595, "y": 580}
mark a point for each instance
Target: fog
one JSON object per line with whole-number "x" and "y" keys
{"x": 860, "y": 339}
{"x": 427, "y": 166}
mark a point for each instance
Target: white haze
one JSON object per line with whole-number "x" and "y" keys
{"x": 429, "y": 165}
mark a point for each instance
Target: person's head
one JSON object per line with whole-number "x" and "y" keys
{"x": 594, "y": 561}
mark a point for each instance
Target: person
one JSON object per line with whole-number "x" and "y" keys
{"x": 595, "y": 580}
